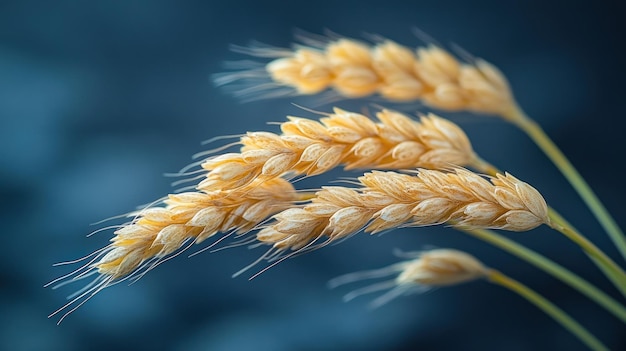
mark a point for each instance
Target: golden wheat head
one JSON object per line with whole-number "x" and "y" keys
{"x": 388, "y": 200}
{"x": 353, "y": 69}
{"x": 308, "y": 147}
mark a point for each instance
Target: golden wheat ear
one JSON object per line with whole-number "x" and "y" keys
{"x": 308, "y": 147}
{"x": 388, "y": 200}
{"x": 158, "y": 233}
{"x": 354, "y": 69}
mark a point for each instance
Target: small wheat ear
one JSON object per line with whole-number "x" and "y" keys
{"x": 424, "y": 270}
{"x": 445, "y": 267}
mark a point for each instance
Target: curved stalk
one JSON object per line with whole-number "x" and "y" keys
{"x": 610, "y": 269}
{"x": 548, "y": 307}
{"x": 608, "y": 266}
{"x": 534, "y": 131}
{"x": 552, "y": 268}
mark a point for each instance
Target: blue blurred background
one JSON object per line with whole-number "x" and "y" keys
{"x": 99, "y": 99}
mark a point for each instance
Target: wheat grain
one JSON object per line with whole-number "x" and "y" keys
{"x": 307, "y": 147}
{"x": 388, "y": 200}
{"x": 354, "y": 69}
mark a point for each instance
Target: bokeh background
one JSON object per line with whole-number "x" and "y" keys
{"x": 99, "y": 99}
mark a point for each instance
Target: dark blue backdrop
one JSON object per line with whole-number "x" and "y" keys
{"x": 99, "y": 99}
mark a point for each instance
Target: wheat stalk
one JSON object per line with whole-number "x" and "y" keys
{"x": 388, "y": 200}
{"x": 354, "y": 69}
{"x": 307, "y": 147}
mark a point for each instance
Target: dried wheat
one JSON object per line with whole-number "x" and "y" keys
{"x": 354, "y": 69}
{"x": 158, "y": 233}
{"x": 425, "y": 269}
{"x": 388, "y": 200}
{"x": 308, "y": 147}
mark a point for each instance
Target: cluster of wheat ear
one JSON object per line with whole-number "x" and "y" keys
{"x": 418, "y": 173}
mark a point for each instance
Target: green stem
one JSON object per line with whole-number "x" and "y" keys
{"x": 608, "y": 267}
{"x": 612, "y": 270}
{"x": 555, "y": 217}
{"x": 534, "y": 131}
{"x": 553, "y": 269}
{"x": 548, "y": 307}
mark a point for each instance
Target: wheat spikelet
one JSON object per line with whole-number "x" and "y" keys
{"x": 388, "y": 200}
{"x": 308, "y": 147}
{"x": 354, "y": 69}
{"x": 158, "y": 233}
{"x": 424, "y": 270}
